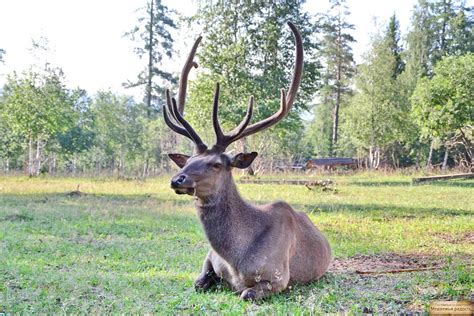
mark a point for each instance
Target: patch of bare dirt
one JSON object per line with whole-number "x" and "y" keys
{"x": 466, "y": 238}
{"x": 381, "y": 263}
{"x": 75, "y": 193}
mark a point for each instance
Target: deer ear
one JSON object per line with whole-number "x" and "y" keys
{"x": 179, "y": 159}
{"x": 243, "y": 160}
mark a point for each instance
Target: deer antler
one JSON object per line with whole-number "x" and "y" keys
{"x": 222, "y": 140}
{"x": 183, "y": 79}
{"x": 173, "y": 113}
{"x": 286, "y": 101}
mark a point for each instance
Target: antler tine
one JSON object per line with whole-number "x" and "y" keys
{"x": 183, "y": 79}
{"x": 200, "y": 146}
{"x": 170, "y": 106}
{"x": 173, "y": 126}
{"x": 224, "y": 140}
{"x": 175, "y": 112}
{"x": 245, "y": 122}
{"x": 215, "y": 118}
{"x": 269, "y": 121}
{"x": 298, "y": 71}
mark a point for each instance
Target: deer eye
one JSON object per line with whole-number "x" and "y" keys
{"x": 216, "y": 165}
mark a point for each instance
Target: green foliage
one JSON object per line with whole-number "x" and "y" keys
{"x": 335, "y": 53}
{"x": 371, "y": 115}
{"x": 37, "y": 105}
{"x": 248, "y": 48}
{"x": 392, "y": 35}
{"x": 444, "y": 104}
{"x": 439, "y": 28}
{"x": 118, "y": 129}
{"x": 80, "y": 135}
{"x": 11, "y": 145}
{"x": 319, "y": 131}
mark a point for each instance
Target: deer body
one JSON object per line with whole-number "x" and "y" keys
{"x": 257, "y": 250}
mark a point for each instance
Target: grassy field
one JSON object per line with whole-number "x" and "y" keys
{"x": 136, "y": 247}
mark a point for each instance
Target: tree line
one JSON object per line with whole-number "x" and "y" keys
{"x": 409, "y": 103}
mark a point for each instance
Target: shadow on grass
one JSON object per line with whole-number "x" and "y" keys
{"x": 376, "y": 210}
{"x": 90, "y": 197}
{"x": 459, "y": 183}
{"x": 387, "y": 211}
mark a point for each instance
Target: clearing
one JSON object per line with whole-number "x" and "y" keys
{"x": 136, "y": 247}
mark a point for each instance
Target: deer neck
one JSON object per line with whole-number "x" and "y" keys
{"x": 227, "y": 220}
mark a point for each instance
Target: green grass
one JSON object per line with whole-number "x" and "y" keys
{"x": 136, "y": 247}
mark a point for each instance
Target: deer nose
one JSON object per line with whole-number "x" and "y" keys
{"x": 177, "y": 181}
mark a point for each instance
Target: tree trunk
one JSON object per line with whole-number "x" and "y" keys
{"x": 335, "y": 124}
{"x": 150, "y": 61}
{"x": 445, "y": 160}
{"x": 469, "y": 148}
{"x": 74, "y": 165}
{"x": 335, "y": 118}
{"x": 122, "y": 164}
{"x": 395, "y": 161}
{"x": 417, "y": 162}
{"x": 374, "y": 157}
{"x": 30, "y": 157}
{"x": 145, "y": 168}
{"x": 38, "y": 158}
{"x": 377, "y": 161}
{"x": 430, "y": 155}
{"x": 371, "y": 157}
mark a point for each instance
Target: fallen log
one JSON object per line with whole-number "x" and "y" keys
{"x": 323, "y": 183}
{"x": 444, "y": 177}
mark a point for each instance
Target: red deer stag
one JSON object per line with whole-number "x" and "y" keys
{"x": 257, "y": 250}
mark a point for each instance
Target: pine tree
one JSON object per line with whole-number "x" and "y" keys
{"x": 156, "y": 42}
{"x": 439, "y": 28}
{"x": 393, "y": 38}
{"x": 338, "y": 63}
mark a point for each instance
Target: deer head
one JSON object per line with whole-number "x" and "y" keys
{"x": 207, "y": 170}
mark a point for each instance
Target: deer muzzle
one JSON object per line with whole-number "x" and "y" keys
{"x": 182, "y": 184}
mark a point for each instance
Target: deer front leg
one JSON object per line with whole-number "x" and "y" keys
{"x": 279, "y": 277}
{"x": 208, "y": 276}
{"x": 261, "y": 290}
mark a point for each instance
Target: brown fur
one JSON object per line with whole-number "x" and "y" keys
{"x": 257, "y": 250}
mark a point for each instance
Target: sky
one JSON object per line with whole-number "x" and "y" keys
{"x": 86, "y": 37}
